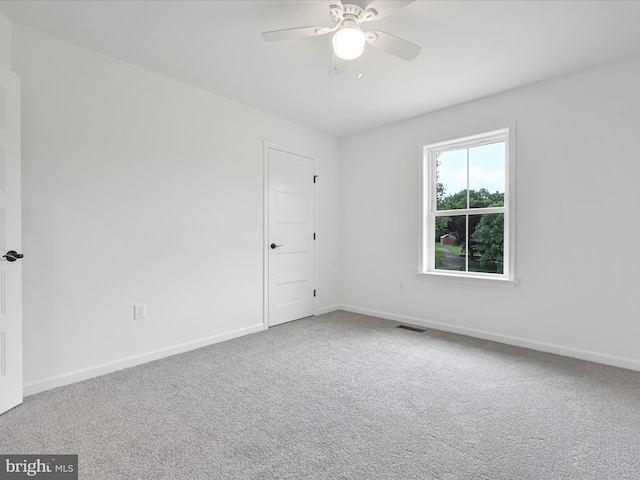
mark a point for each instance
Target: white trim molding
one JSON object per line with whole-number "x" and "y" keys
{"x": 266, "y": 145}
{"x": 504, "y": 132}
{"x": 451, "y": 277}
{"x": 43, "y": 384}
{"x": 565, "y": 351}
{"x": 329, "y": 309}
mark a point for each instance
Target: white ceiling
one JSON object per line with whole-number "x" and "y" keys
{"x": 471, "y": 49}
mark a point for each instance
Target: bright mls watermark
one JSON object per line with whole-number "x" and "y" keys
{"x": 50, "y": 467}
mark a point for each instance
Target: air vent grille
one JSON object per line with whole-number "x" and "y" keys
{"x": 413, "y": 329}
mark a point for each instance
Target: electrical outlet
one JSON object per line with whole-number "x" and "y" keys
{"x": 139, "y": 311}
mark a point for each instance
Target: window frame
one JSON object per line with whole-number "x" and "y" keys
{"x": 428, "y": 211}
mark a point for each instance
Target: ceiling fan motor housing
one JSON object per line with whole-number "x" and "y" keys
{"x": 349, "y": 39}
{"x": 347, "y": 13}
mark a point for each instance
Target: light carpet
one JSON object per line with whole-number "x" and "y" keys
{"x": 343, "y": 396}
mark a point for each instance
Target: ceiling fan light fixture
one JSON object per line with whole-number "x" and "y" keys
{"x": 348, "y": 43}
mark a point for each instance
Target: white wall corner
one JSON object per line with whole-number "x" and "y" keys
{"x": 328, "y": 309}
{"x": 5, "y": 44}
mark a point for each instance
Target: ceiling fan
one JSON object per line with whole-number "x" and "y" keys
{"x": 349, "y": 39}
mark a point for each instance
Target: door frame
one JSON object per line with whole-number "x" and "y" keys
{"x": 11, "y": 277}
{"x": 265, "y": 239}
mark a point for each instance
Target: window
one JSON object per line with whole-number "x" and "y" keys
{"x": 468, "y": 205}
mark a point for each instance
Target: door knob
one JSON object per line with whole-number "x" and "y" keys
{"x": 12, "y": 256}
{"x": 274, "y": 246}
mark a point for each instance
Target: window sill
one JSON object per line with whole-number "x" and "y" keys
{"x": 480, "y": 281}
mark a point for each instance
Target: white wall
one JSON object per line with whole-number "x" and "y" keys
{"x": 5, "y": 43}
{"x": 140, "y": 189}
{"x": 577, "y": 197}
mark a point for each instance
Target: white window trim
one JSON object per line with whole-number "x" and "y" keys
{"x": 426, "y": 270}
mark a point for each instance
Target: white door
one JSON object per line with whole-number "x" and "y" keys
{"x": 290, "y": 248}
{"x": 10, "y": 240}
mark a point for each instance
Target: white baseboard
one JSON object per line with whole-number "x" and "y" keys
{"x": 41, "y": 385}
{"x": 563, "y": 350}
{"x": 329, "y": 309}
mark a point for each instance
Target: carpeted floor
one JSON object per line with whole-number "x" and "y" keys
{"x": 343, "y": 396}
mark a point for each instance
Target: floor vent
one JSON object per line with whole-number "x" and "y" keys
{"x": 413, "y": 329}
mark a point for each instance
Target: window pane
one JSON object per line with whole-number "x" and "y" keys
{"x": 487, "y": 175}
{"x": 468, "y": 178}
{"x": 486, "y": 243}
{"x": 449, "y": 243}
{"x": 451, "y": 179}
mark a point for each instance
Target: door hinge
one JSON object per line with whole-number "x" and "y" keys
{"x": 314, "y": 293}
{"x": 314, "y": 178}
{"x": 314, "y": 235}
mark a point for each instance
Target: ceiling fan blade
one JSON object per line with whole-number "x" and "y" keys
{"x": 393, "y": 45}
{"x": 337, "y": 65}
{"x": 381, "y": 8}
{"x": 330, "y": 4}
{"x": 299, "y": 32}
